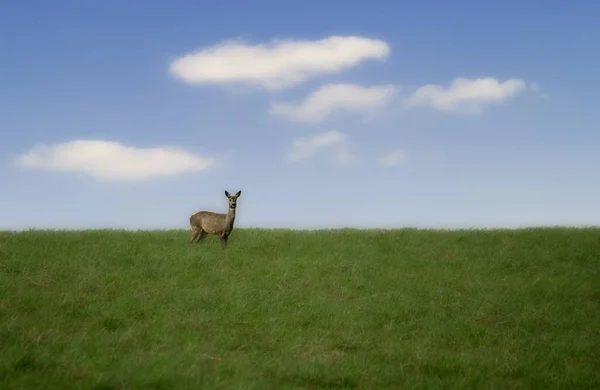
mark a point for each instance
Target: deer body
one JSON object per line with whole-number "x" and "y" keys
{"x": 204, "y": 223}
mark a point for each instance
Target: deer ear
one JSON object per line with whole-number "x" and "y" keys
{"x": 238, "y": 193}
{"x": 227, "y": 194}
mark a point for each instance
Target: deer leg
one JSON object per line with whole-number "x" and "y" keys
{"x": 195, "y": 234}
{"x": 202, "y": 235}
{"x": 224, "y": 241}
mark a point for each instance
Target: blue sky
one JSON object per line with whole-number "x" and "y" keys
{"x": 324, "y": 114}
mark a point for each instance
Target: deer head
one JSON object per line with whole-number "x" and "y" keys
{"x": 232, "y": 199}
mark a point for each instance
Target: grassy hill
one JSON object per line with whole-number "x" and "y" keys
{"x": 300, "y": 309}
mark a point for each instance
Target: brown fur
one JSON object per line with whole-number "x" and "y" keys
{"x": 204, "y": 223}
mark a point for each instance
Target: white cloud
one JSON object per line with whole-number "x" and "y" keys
{"x": 278, "y": 64}
{"x": 112, "y": 161}
{"x": 537, "y": 88}
{"x": 335, "y": 97}
{"x": 332, "y": 141}
{"x": 394, "y": 158}
{"x": 466, "y": 96}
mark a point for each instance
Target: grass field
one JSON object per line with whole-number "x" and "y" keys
{"x": 300, "y": 310}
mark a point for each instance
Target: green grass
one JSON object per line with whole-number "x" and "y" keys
{"x": 300, "y": 310}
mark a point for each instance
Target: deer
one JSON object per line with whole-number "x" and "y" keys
{"x": 204, "y": 223}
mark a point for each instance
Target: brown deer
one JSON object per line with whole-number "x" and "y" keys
{"x": 204, "y": 223}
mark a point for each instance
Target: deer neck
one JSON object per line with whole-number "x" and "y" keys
{"x": 230, "y": 218}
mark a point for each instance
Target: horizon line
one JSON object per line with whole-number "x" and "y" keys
{"x": 307, "y": 229}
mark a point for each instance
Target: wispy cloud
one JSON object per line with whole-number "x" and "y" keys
{"x": 277, "y": 64}
{"x": 537, "y": 88}
{"x": 465, "y": 96}
{"x": 331, "y": 141}
{"x": 394, "y": 158}
{"x": 113, "y": 161}
{"x": 330, "y": 98}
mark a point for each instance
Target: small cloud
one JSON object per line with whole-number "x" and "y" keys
{"x": 332, "y": 141}
{"x": 536, "y": 88}
{"x": 394, "y": 158}
{"x": 465, "y": 96}
{"x": 278, "y": 64}
{"x": 335, "y": 97}
{"x": 113, "y": 161}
